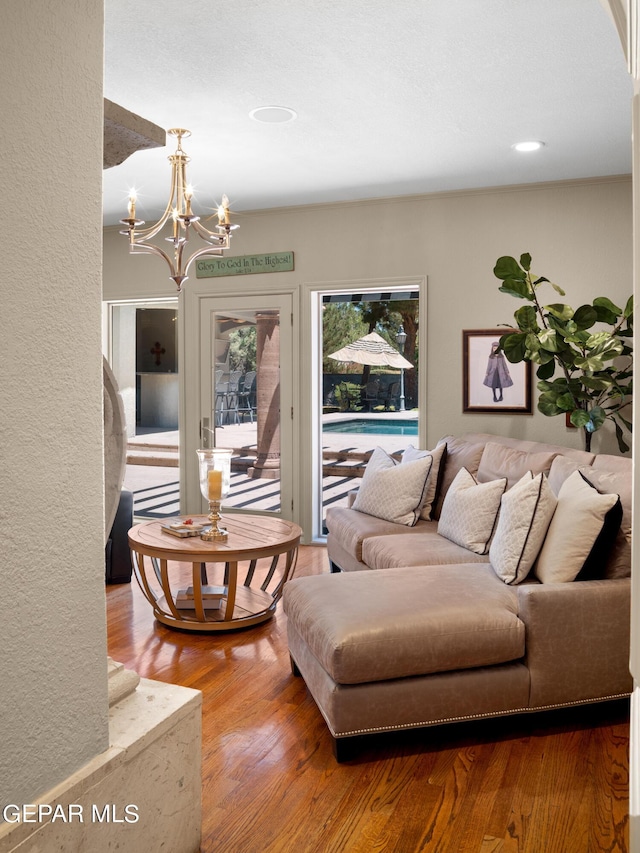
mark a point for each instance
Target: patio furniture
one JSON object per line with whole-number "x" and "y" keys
{"x": 371, "y": 393}
{"x": 390, "y": 395}
{"x": 247, "y": 395}
{"x": 227, "y": 398}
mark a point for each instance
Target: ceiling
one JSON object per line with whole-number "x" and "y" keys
{"x": 392, "y": 98}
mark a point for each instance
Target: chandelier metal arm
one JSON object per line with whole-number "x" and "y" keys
{"x": 150, "y": 249}
{"x": 179, "y": 211}
{"x": 221, "y": 237}
{"x": 208, "y": 250}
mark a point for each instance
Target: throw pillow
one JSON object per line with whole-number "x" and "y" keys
{"x": 437, "y": 467}
{"x": 459, "y": 454}
{"x": 393, "y": 491}
{"x": 470, "y": 510}
{"x": 526, "y": 511}
{"x": 616, "y": 482}
{"x": 578, "y": 520}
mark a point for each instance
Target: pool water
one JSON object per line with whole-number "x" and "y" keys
{"x": 373, "y": 427}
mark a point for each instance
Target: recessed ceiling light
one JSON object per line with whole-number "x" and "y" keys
{"x": 273, "y": 115}
{"x": 528, "y": 146}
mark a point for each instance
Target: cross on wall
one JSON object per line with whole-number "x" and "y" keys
{"x": 157, "y": 350}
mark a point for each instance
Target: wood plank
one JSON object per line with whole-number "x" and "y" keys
{"x": 554, "y": 782}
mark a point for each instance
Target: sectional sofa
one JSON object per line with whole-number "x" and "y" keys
{"x": 488, "y": 576}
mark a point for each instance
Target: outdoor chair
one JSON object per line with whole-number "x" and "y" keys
{"x": 227, "y": 399}
{"x": 247, "y": 395}
{"x": 391, "y": 395}
{"x": 371, "y": 393}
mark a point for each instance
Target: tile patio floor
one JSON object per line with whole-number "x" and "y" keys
{"x": 153, "y": 476}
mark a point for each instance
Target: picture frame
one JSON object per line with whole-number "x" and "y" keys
{"x": 497, "y": 386}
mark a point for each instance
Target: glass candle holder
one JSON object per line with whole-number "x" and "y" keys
{"x": 215, "y": 482}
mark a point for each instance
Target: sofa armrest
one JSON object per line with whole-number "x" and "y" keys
{"x": 577, "y": 639}
{"x": 351, "y": 496}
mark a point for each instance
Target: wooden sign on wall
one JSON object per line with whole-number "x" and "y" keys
{"x": 244, "y": 264}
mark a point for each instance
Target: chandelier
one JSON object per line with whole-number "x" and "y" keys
{"x": 181, "y": 219}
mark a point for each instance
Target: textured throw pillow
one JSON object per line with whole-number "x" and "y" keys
{"x": 437, "y": 455}
{"x": 526, "y": 511}
{"x": 393, "y": 491}
{"x": 576, "y": 525}
{"x": 470, "y": 510}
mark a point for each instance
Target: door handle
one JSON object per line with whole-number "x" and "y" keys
{"x": 205, "y": 433}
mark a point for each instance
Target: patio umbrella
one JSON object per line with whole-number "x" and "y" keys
{"x": 373, "y": 350}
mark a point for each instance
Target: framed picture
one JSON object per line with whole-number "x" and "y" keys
{"x": 490, "y": 382}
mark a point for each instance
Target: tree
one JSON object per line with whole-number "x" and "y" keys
{"x": 341, "y": 324}
{"x": 242, "y": 349}
{"x": 407, "y": 310}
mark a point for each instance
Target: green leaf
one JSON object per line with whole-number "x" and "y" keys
{"x": 607, "y": 305}
{"x": 591, "y": 364}
{"x": 579, "y": 418}
{"x": 546, "y": 371}
{"x": 597, "y": 416}
{"x": 604, "y": 345}
{"x": 525, "y": 261}
{"x": 527, "y": 319}
{"x": 547, "y": 404}
{"x": 622, "y": 444}
{"x": 566, "y": 402}
{"x": 561, "y": 311}
{"x": 628, "y": 309}
{"x": 585, "y": 317}
{"x": 514, "y": 347}
{"x": 627, "y": 423}
{"x": 597, "y": 383}
{"x": 548, "y": 340}
{"x": 507, "y": 267}
{"x": 516, "y": 287}
{"x": 557, "y": 288}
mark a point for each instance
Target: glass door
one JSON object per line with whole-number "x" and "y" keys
{"x": 246, "y": 397}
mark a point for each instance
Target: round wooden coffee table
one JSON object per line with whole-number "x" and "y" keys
{"x": 193, "y": 585}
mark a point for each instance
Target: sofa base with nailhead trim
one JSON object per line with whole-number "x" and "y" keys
{"x": 415, "y": 630}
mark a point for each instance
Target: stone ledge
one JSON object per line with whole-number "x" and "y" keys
{"x": 153, "y": 764}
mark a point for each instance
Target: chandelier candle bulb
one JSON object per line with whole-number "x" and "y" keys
{"x": 179, "y": 209}
{"x": 215, "y": 484}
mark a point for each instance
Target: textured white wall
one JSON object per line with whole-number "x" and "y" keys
{"x": 53, "y": 713}
{"x": 579, "y": 235}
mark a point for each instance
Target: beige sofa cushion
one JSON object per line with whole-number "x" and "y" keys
{"x": 612, "y": 474}
{"x": 435, "y": 475}
{"x": 426, "y": 548}
{"x": 459, "y": 454}
{"x": 499, "y": 460}
{"x": 351, "y": 528}
{"x": 364, "y": 627}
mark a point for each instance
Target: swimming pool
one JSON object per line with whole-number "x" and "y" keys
{"x": 373, "y": 427}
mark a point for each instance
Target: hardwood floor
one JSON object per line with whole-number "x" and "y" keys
{"x": 540, "y": 783}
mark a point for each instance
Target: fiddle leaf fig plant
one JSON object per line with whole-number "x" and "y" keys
{"x": 584, "y": 357}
